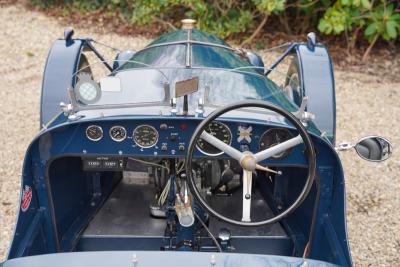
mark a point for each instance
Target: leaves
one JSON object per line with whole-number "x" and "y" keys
{"x": 391, "y": 29}
{"x": 269, "y": 6}
{"x": 366, "y": 4}
{"x": 225, "y": 18}
{"x": 377, "y": 17}
{"x": 372, "y": 29}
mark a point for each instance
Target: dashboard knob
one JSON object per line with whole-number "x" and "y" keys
{"x": 173, "y": 137}
{"x": 163, "y": 126}
{"x": 224, "y": 235}
{"x": 164, "y": 148}
{"x": 181, "y": 147}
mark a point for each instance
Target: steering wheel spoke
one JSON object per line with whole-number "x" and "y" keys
{"x": 279, "y": 148}
{"x": 266, "y": 169}
{"x": 229, "y": 150}
{"x": 247, "y": 186}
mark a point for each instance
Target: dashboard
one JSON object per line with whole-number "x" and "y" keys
{"x": 169, "y": 137}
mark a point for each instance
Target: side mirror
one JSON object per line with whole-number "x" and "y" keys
{"x": 374, "y": 148}
{"x": 371, "y": 148}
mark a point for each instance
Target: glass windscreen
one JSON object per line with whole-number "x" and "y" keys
{"x": 216, "y": 87}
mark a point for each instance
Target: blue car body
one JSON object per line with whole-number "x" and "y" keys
{"x": 60, "y": 198}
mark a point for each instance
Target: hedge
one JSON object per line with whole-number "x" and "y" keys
{"x": 353, "y": 19}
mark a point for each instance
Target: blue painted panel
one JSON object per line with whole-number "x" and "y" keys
{"x": 319, "y": 86}
{"x": 25, "y": 218}
{"x": 151, "y": 259}
{"x": 62, "y": 62}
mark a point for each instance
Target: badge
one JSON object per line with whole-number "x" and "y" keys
{"x": 244, "y": 134}
{"x": 26, "y": 198}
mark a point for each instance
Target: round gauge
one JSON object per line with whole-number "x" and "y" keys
{"x": 118, "y": 133}
{"x": 218, "y": 130}
{"x": 273, "y": 137}
{"x": 94, "y": 132}
{"x": 145, "y": 136}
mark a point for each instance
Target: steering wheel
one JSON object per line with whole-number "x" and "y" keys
{"x": 249, "y": 161}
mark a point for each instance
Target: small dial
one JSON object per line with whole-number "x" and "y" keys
{"x": 273, "y": 137}
{"x": 118, "y": 133}
{"x": 94, "y": 132}
{"x": 145, "y": 136}
{"x": 218, "y": 130}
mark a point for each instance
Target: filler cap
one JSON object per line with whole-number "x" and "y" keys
{"x": 188, "y": 24}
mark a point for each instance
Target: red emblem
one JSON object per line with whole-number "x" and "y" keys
{"x": 26, "y": 198}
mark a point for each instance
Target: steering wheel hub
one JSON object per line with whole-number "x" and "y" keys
{"x": 248, "y": 161}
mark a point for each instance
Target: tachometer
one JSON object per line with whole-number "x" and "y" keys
{"x": 273, "y": 137}
{"x": 94, "y": 132}
{"x": 118, "y": 133}
{"x": 145, "y": 136}
{"x": 220, "y": 131}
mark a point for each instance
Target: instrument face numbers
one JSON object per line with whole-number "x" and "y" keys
{"x": 145, "y": 136}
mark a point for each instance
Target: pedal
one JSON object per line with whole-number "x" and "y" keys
{"x": 158, "y": 211}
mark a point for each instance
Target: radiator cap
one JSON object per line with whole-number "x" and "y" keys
{"x": 188, "y": 24}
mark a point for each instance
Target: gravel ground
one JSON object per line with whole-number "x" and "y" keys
{"x": 366, "y": 104}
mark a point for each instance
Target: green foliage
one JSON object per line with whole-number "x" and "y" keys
{"x": 377, "y": 18}
{"x": 269, "y": 6}
{"x": 223, "y": 18}
{"x": 228, "y": 18}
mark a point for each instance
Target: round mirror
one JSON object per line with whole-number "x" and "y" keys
{"x": 374, "y": 148}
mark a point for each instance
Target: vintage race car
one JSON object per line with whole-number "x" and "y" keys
{"x": 185, "y": 146}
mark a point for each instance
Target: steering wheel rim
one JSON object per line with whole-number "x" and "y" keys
{"x": 309, "y": 151}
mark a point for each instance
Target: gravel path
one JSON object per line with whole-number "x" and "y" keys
{"x": 366, "y": 105}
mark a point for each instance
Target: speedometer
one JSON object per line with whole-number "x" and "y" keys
{"x": 218, "y": 130}
{"x": 145, "y": 136}
{"x": 273, "y": 137}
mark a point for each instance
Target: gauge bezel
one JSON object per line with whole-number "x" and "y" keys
{"x": 115, "y": 139}
{"x": 219, "y": 153}
{"x": 287, "y": 152}
{"x": 147, "y": 125}
{"x": 94, "y": 139}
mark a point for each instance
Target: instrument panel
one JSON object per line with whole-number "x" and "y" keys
{"x": 170, "y": 137}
